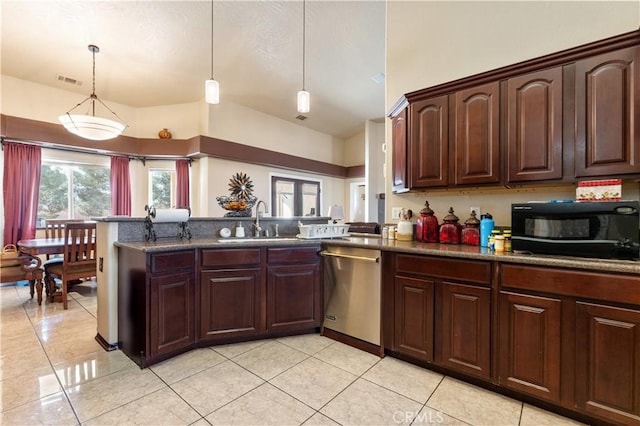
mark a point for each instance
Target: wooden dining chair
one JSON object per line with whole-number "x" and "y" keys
{"x": 79, "y": 258}
{"x": 54, "y": 228}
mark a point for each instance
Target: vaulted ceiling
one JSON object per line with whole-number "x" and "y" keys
{"x": 159, "y": 53}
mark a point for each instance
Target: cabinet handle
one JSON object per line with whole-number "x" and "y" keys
{"x": 348, "y": 256}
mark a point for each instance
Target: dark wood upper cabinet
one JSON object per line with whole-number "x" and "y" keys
{"x": 429, "y": 143}
{"x": 607, "y": 105}
{"x": 534, "y": 126}
{"x": 399, "y": 160}
{"x": 476, "y": 140}
{"x": 561, "y": 117}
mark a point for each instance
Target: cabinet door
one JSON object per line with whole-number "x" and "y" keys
{"x": 399, "y": 161}
{"x": 534, "y": 126}
{"x": 607, "y": 105}
{"x": 529, "y": 345}
{"x": 230, "y": 303}
{"x": 429, "y": 143}
{"x": 294, "y": 297}
{"x": 476, "y": 140}
{"x": 171, "y": 310}
{"x": 465, "y": 329}
{"x": 414, "y": 303}
{"x": 608, "y": 362}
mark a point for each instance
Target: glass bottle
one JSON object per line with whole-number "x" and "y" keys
{"x": 471, "y": 230}
{"x": 507, "y": 240}
{"x": 450, "y": 230}
{"x": 427, "y": 225}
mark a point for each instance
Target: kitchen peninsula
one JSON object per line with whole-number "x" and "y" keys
{"x": 560, "y": 332}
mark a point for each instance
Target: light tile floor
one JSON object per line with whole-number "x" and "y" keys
{"x": 52, "y": 371}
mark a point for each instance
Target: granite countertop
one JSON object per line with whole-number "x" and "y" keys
{"x": 482, "y": 253}
{"x": 174, "y": 244}
{"x": 412, "y": 247}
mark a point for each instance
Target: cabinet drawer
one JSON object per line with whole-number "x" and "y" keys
{"x": 592, "y": 285}
{"x": 172, "y": 261}
{"x": 464, "y": 270}
{"x": 292, "y": 255}
{"x": 231, "y": 257}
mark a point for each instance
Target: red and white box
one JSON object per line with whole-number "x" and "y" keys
{"x": 599, "y": 190}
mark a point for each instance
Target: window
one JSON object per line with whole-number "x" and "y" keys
{"x": 73, "y": 191}
{"x": 161, "y": 188}
{"x": 294, "y": 197}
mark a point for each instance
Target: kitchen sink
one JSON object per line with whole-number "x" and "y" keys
{"x": 257, "y": 240}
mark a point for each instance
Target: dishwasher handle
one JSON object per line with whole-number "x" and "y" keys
{"x": 349, "y": 256}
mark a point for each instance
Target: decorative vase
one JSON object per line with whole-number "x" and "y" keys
{"x": 427, "y": 225}
{"x": 450, "y": 230}
{"x": 471, "y": 230}
{"x": 165, "y": 134}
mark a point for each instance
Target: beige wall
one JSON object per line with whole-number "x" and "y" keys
{"x": 433, "y": 42}
{"x": 210, "y": 177}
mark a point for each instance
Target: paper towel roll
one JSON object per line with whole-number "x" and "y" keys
{"x": 170, "y": 215}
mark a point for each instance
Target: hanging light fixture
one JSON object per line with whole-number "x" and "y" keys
{"x": 304, "y": 99}
{"x": 89, "y": 126}
{"x": 211, "y": 87}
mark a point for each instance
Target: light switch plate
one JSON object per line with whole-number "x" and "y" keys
{"x": 396, "y": 212}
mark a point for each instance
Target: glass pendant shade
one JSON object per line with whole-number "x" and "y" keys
{"x": 91, "y": 127}
{"x": 212, "y": 92}
{"x": 304, "y": 101}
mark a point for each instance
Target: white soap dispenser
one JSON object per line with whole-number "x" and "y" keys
{"x": 239, "y": 231}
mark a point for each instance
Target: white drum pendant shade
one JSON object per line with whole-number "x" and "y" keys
{"x": 90, "y": 127}
{"x": 212, "y": 92}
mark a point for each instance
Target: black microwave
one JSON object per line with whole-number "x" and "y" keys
{"x": 607, "y": 230}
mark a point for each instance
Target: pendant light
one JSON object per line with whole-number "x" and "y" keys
{"x": 89, "y": 126}
{"x": 304, "y": 99}
{"x": 211, "y": 86}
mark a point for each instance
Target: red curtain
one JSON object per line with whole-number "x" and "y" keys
{"x": 182, "y": 183}
{"x": 22, "y": 168}
{"x": 120, "y": 186}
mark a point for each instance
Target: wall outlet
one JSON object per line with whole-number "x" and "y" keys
{"x": 396, "y": 212}
{"x": 476, "y": 209}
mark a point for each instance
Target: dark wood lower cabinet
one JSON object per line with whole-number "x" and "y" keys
{"x": 608, "y": 362}
{"x": 172, "y": 316}
{"x": 464, "y": 329}
{"x": 294, "y": 297}
{"x": 529, "y": 345}
{"x": 168, "y": 304}
{"x": 156, "y": 305}
{"x": 413, "y": 322}
{"x": 230, "y": 303}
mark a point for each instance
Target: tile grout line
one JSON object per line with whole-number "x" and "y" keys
{"x": 53, "y": 370}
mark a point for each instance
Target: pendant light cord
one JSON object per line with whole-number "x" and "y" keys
{"x": 211, "y": 39}
{"x": 304, "y": 39}
{"x": 93, "y": 90}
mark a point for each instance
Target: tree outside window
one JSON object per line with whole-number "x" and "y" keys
{"x": 161, "y": 184}
{"x": 72, "y": 191}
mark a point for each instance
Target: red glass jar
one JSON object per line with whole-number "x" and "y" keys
{"x": 471, "y": 230}
{"x": 450, "y": 230}
{"x": 427, "y": 225}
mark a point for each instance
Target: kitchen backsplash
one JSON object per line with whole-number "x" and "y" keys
{"x": 495, "y": 201}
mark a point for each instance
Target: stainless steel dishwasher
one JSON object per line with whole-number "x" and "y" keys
{"x": 352, "y": 292}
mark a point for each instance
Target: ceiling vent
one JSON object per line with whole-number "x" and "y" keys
{"x": 301, "y": 117}
{"x": 68, "y": 80}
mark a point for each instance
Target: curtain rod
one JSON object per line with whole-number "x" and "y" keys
{"x": 144, "y": 160}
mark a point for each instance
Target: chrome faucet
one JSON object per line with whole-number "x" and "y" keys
{"x": 257, "y": 224}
